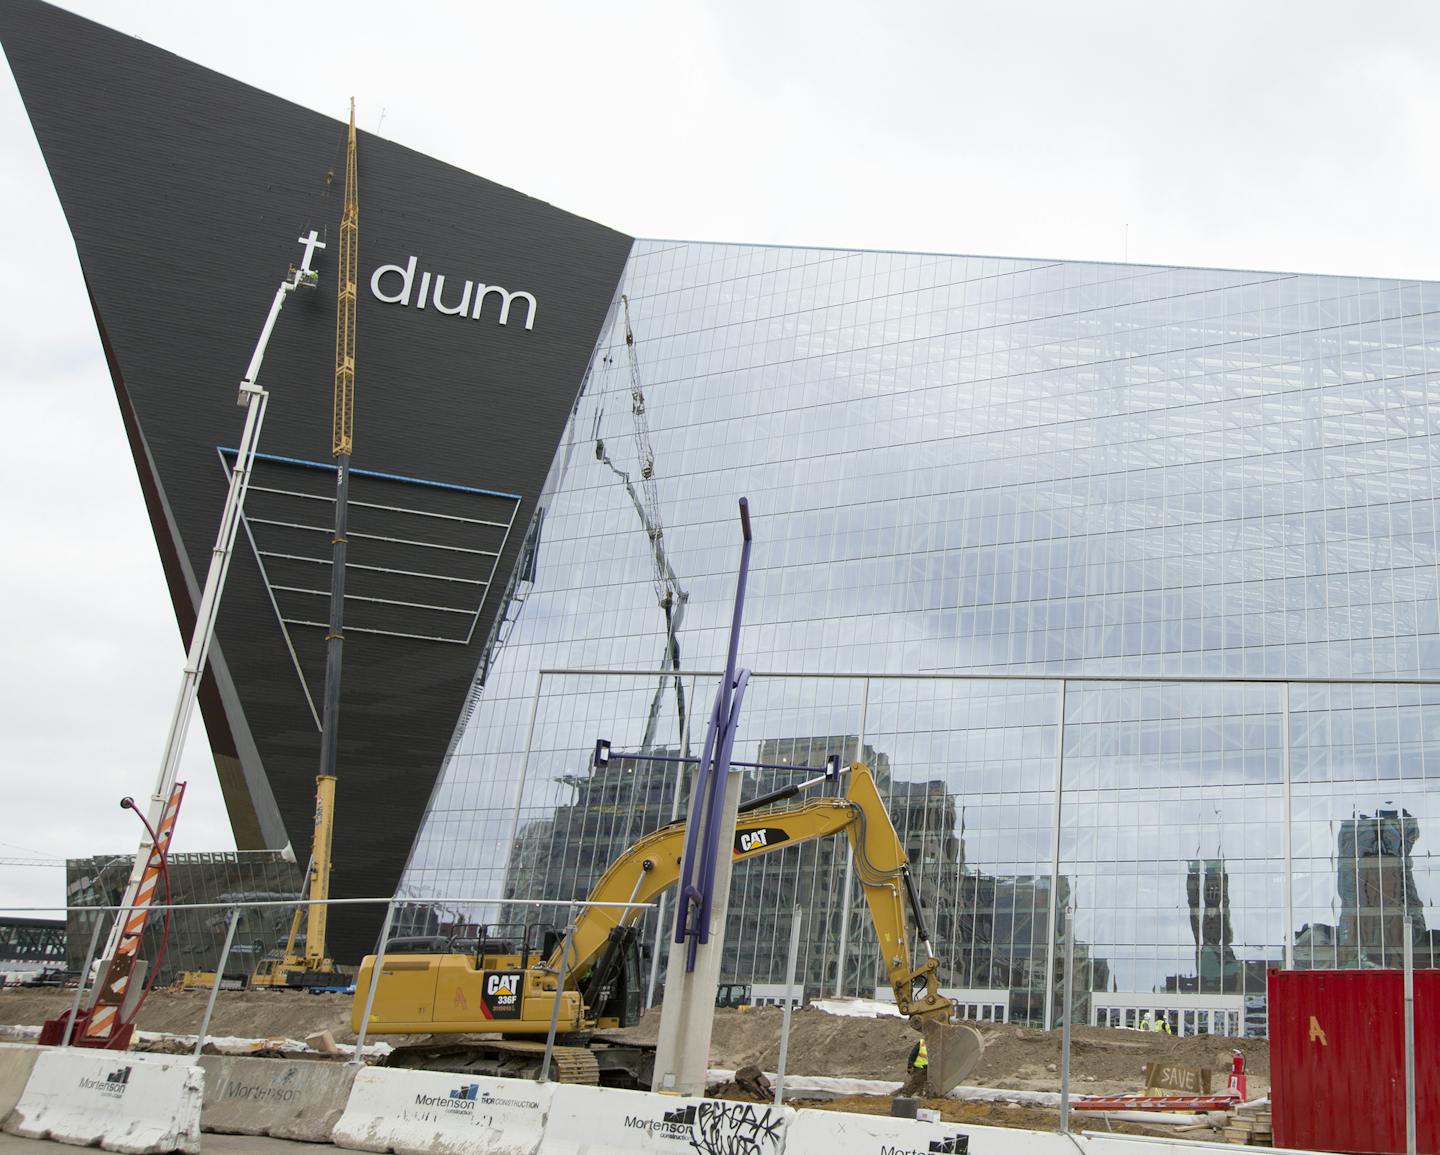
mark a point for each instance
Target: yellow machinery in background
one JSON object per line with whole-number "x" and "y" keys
{"x": 309, "y": 967}
{"x": 508, "y": 990}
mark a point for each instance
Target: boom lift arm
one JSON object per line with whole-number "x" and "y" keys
{"x": 120, "y": 962}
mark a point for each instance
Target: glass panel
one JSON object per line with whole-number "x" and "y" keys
{"x": 957, "y": 465}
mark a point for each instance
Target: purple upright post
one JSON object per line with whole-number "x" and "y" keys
{"x": 702, "y": 836}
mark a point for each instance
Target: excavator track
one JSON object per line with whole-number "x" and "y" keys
{"x": 569, "y": 1064}
{"x": 503, "y": 1058}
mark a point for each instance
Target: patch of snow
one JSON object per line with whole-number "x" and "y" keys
{"x": 824, "y": 1085}
{"x": 225, "y": 1044}
{"x": 856, "y": 1008}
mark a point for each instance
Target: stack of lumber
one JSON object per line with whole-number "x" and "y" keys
{"x": 1250, "y": 1126}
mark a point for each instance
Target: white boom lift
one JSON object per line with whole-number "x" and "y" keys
{"x": 115, "y": 991}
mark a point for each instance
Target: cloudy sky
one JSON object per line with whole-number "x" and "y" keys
{"x": 1271, "y": 134}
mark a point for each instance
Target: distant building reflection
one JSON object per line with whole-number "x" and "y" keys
{"x": 989, "y": 930}
{"x": 1375, "y": 881}
{"x": 195, "y": 935}
{"x": 1217, "y": 969}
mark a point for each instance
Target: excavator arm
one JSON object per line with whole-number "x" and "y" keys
{"x": 514, "y": 995}
{"x": 763, "y": 827}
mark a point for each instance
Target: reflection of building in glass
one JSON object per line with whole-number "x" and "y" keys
{"x": 1217, "y": 970}
{"x": 196, "y": 936}
{"x": 1027, "y": 467}
{"x": 1375, "y": 880}
{"x": 563, "y": 855}
{"x": 1207, "y": 886}
{"x": 29, "y": 947}
{"x": 988, "y": 930}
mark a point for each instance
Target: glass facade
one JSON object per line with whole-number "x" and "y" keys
{"x": 961, "y": 466}
{"x": 195, "y": 936}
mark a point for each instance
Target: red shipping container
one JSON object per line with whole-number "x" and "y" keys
{"x": 1337, "y": 1060}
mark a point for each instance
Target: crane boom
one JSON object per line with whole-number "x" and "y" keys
{"x": 669, "y": 594}
{"x": 645, "y": 455}
{"x": 342, "y": 442}
{"x": 313, "y": 967}
{"x": 343, "y": 423}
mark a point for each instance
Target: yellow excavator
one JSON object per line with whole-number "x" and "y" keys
{"x": 502, "y": 994}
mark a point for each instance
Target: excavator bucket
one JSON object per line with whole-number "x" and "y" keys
{"x": 954, "y": 1049}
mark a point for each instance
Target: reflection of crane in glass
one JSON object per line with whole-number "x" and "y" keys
{"x": 668, "y": 592}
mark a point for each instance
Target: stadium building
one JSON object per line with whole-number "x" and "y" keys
{"x": 1122, "y": 577}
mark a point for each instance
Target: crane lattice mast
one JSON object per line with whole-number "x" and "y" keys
{"x": 342, "y": 442}
{"x": 669, "y": 594}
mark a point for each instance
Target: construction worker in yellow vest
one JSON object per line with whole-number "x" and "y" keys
{"x": 917, "y": 1081}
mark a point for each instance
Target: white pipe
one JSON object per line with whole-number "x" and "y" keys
{"x": 1163, "y": 1118}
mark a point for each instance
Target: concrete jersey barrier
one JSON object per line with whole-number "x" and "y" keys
{"x": 822, "y": 1132}
{"x": 16, "y": 1063}
{"x": 601, "y": 1121}
{"x": 112, "y": 1099}
{"x": 420, "y": 1112}
{"x": 287, "y": 1099}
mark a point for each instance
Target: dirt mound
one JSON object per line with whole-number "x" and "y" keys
{"x": 820, "y": 1044}
{"x": 1101, "y": 1059}
{"x": 257, "y": 1014}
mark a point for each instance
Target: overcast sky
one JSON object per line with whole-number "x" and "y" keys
{"x": 1277, "y": 135}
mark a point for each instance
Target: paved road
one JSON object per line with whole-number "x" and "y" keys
{"x": 209, "y": 1142}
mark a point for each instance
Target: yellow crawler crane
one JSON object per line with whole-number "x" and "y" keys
{"x": 312, "y": 967}
{"x": 507, "y": 990}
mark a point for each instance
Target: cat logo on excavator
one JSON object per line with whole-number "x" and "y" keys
{"x": 749, "y": 841}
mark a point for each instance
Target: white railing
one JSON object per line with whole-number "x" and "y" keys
{"x": 234, "y": 907}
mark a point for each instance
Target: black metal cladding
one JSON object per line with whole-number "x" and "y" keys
{"x": 186, "y": 192}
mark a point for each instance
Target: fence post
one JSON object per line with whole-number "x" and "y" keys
{"x": 1410, "y": 1136}
{"x": 84, "y": 978}
{"x": 565, "y": 948}
{"x": 1052, "y": 907}
{"x": 789, "y": 1001}
{"x": 1287, "y": 890}
{"x": 232, "y": 917}
{"x": 1065, "y": 1028}
{"x": 359, "y": 1059}
{"x": 846, "y": 886}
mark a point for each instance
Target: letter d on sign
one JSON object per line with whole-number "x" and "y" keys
{"x": 407, "y": 275}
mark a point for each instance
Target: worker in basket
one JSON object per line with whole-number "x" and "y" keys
{"x": 917, "y": 1081}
